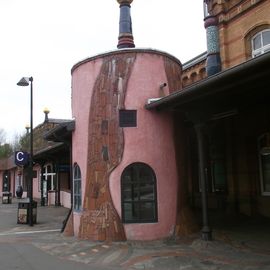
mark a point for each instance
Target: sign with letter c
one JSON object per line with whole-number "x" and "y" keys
{"x": 21, "y": 158}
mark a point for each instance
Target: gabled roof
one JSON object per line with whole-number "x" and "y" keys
{"x": 61, "y": 133}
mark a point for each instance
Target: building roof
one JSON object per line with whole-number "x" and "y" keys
{"x": 242, "y": 86}
{"x": 8, "y": 163}
{"x": 61, "y": 133}
{"x": 192, "y": 62}
{"x": 53, "y": 121}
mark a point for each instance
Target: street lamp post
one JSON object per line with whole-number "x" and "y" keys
{"x": 25, "y": 82}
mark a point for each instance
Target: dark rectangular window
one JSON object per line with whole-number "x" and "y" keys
{"x": 128, "y": 118}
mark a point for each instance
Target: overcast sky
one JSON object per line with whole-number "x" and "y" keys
{"x": 44, "y": 39}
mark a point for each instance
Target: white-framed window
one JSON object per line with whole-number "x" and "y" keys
{"x": 261, "y": 43}
{"x": 264, "y": 162}
{"x": 50, "y": 177}
{"x": 77, "y": 188}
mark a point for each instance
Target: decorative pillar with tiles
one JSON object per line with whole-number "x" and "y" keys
{"x": 213, "y": 61}
{"x": 125, "y": 39}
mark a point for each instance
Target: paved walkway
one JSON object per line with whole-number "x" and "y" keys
{"x": 233, "y": 248}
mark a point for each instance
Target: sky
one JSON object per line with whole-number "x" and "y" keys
{"x": 44, "y": 39}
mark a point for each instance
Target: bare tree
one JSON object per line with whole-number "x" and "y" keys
{"x": 2, "y": 136}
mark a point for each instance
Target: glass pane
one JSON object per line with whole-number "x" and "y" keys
{"x": 49, "y": 182}
{"x": 127, "y": 178}
{"x": 79, "y": 202}
{"x": 76, "y": 202}
{"x": 79, "y": 188}
{"x": 75, "y": 187}
{"x": 257, "y": 42}
{"x": 49, "y": 169}
{"x": 147, "y": 191}
{"x": 77, "y": 173}
{"x": 129, "y": 175}
{"x": 147, "y": 211}
{"x": 131, "y": 192}
{"x": 266, "y": 37}
{"x": 145, "y": 175}
{"x": 266, "y": 172}
{"x": 131, "y": 212}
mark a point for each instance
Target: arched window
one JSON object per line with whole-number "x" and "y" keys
{"x": 202, "y": 73}
{"x": 139, "y": 195}
{"x": 77, "y": 191}
{"x": 261, "y": 43}
{"x": 185, "y": 81}
{"x": 193, "y": 77}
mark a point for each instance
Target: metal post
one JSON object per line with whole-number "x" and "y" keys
{"x": 31, "y": 155}
{"x": 25, "y": 82}
{"x": 206, "y": 230}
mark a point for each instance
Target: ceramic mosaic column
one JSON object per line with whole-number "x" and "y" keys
{"x": 125, "y": 39}
{"x": 213, "y": 61}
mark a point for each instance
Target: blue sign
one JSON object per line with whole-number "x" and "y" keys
{"x": 21, "y": 158}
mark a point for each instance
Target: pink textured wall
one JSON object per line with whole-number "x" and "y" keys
{"x": 83, "y": 80}
{"x": 36, "y": 191}
{"x": 150, "y": 142}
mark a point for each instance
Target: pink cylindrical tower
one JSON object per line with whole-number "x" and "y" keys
{"x": 126, "y": 153}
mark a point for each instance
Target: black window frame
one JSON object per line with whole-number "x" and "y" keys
{"x": 138, "y": 203}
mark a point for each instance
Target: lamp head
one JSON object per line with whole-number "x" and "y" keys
{"x": 46, "y": 110}
{"x": 24, "y": 81}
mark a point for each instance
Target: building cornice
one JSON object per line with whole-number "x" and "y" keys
{"x": 124, "y": 51}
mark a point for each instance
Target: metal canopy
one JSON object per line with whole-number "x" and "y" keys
{"x": 239, "y": 88}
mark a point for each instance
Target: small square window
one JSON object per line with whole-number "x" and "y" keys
{"x": 128, "y": 118}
